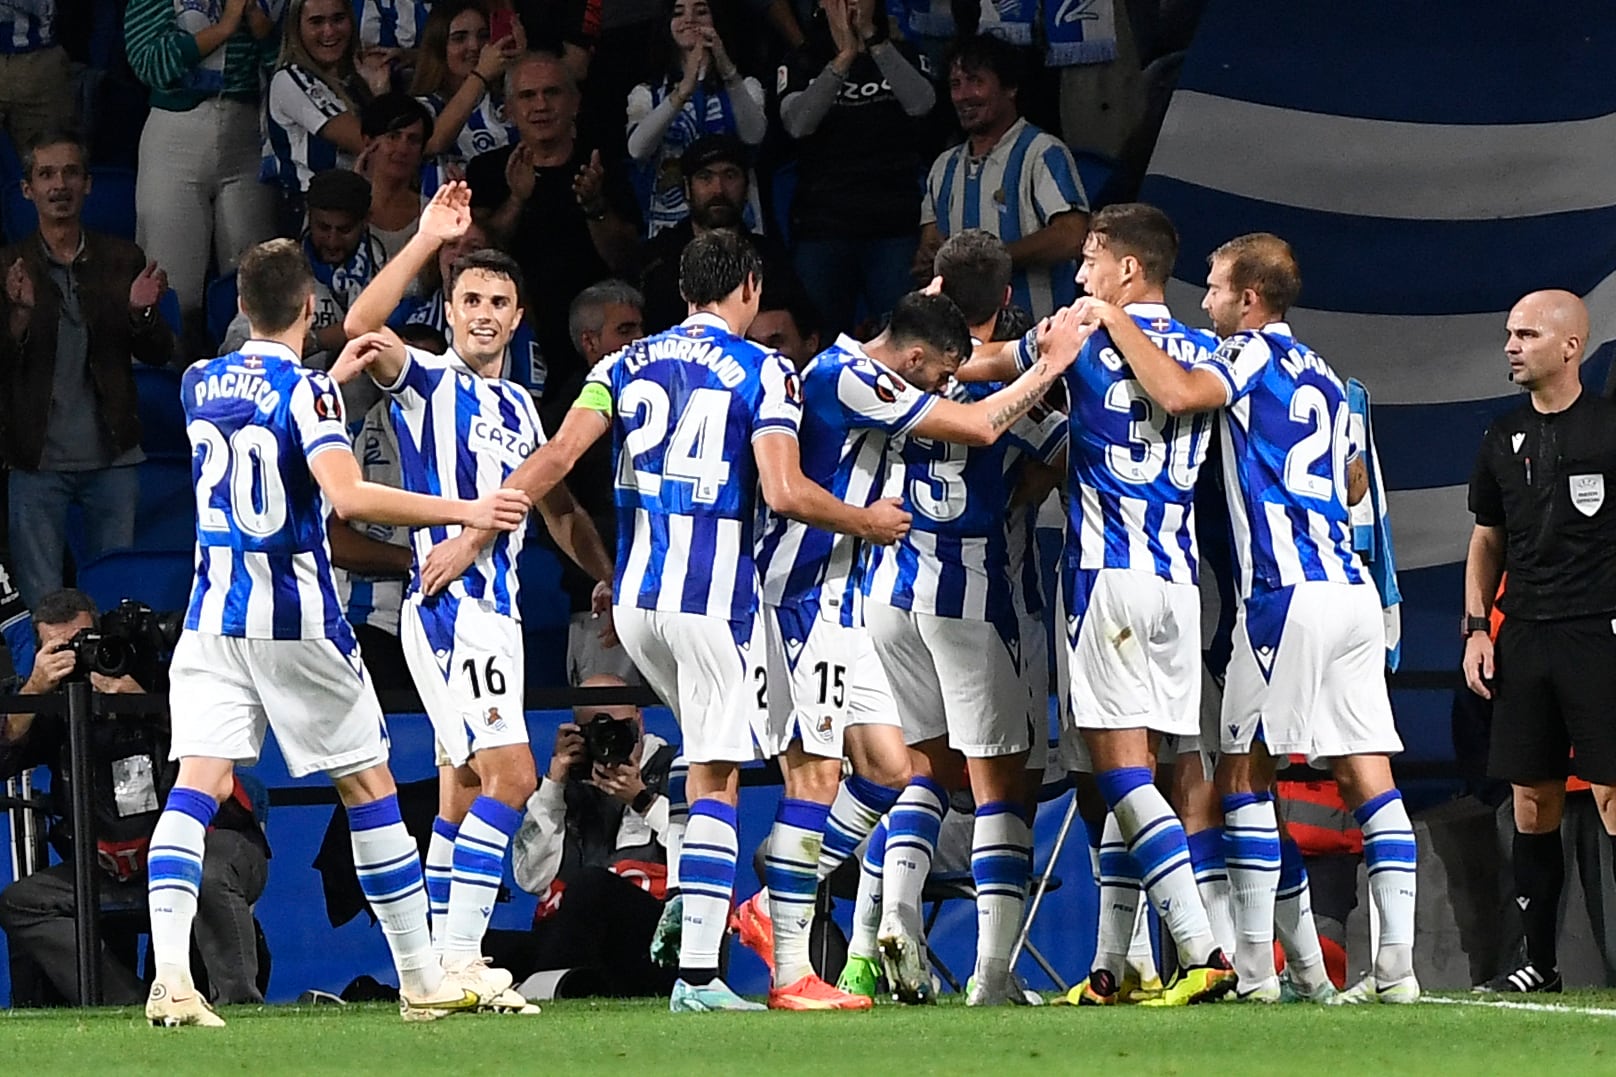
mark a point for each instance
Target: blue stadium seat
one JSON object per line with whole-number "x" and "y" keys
{"x": 221, "y": 306}
{"x": 165, "y": 517}
{"x": 110, "y": 207}
{"x": 1095, "y": 170}
{"x": 162, "y": 418}
{"x": 169, "y": 307}
{"x": 159, "y": 578}
{"x": 782, "y": 189}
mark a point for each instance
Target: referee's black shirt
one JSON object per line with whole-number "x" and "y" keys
{"x": 1550, "y": 482}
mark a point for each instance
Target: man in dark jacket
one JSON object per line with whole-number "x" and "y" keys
{"x": 76, "y": 308}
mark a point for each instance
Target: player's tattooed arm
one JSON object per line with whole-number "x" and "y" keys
{"x": 1176, "y": 389}
{"x": 1060, "y": 338}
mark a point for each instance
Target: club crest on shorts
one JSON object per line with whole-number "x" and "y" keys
{"x": 823, "y": 728}
{"x": 493, "y": 720}
{"x": 1587, "y": 493}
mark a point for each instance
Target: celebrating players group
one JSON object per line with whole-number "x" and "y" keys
{"x": 828, "y": 565}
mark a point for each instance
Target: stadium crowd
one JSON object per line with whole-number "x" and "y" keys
{"x": 570, "y": 166}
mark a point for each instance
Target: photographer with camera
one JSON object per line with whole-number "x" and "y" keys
{"x": 592, "y": 847}
{"x": 121, "y": 653}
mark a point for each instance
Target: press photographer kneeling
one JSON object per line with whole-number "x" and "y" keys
{"x": 121, "y": 653}
{"x": 591, "y": 846}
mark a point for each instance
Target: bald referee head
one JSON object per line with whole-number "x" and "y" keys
{"x": 1545, "y": 337}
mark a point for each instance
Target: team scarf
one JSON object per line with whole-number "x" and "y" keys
{"x": 347, "y": 280}
{"x": 1371, "y": 526}
{"x": 1078, "y": 32}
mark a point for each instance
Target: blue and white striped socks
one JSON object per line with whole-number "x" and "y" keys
{"x": 867, "y": 906}
{"x": 790, "y": 871}
{"x": 479, "y": 865}
{"x": 1157, "y": 844}
{"x": 1293, "y": 921}
{"x": 1001, "y": 858}
{"x": 707, "y": 881}
{"x": 1120, "y": 890}
{"x": 1391, "y": 857}
{"x": 439, "y": 872}
{"x": 858, "y": 807}
{"x": 389, "y": 870}
{"x": 1251, "y": 850}
{"x": 1212, "y": 881}
{"x": 912, "y": 829}
{"x": 174, "y": 876}
{"x": 678, "y": 820}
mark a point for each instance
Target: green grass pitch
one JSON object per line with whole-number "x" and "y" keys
{"x": 642, "y": 1038}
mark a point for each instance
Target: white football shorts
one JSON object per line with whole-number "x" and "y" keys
{"x": 1135, "y": 643}
{"x": 823, "y": 677}
{"x": 706, "y": 670}
{"x": 469, "y": 668}
{"x": 314, "y": 693}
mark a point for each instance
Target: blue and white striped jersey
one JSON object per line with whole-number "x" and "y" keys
{"x": 256, "y": 418}
{"x": 372, "y": 600}
{"x": 300, "y": 104}
{"x": 487, "y": 128}
{"x": 955, "y": 560}
{"x": 1023, "y": 182}
{"x": 685, "y": 406}
{"x": 1021, "y": 523}
{"x": 392, "y": 24}
{"x": 852, "y": 409}
{"x": 27, "y": 25}
{"x": 461, "y": 436}
{"x": 1286, "y": 442}
{"x": 1131, "y": 467}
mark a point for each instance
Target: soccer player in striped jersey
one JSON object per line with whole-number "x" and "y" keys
{"x": 944, "y": 622}
{"x": 702, "y": 420}
{"x": 1307, "y": 675}
{"x": 460, "y": 425}
{"x": 265, "y": 639}
{"x": 856, "y": 399}
{"x": 1132, "y": 605}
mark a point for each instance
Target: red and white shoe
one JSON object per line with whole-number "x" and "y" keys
{"x": 812, "y": 993}
{"x": 751, "y": 923}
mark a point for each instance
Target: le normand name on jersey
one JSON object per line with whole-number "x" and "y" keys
{"x": 687, "y": 349}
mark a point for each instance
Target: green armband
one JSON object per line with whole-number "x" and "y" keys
{"x": 595, "y": 397}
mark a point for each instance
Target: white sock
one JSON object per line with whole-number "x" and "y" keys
{"x": 1251, "y": 851}
{"x": 174, "y": 876}
{"x": 859, "y": 805}
{"x": 1159, "y": 849}
{"x": 1141, "y": 950}
{"x": 1293, "y": 922}
{"x": 1391, "y": 857}
{"x": 790, "y": 868}
{"x": 1001, "y": 857}
{"x": 678, "y": 819}
{"x": 867, "y": 906}
{"x": 439, "y": 874}
{"x": 1212, "y": 882}
{"x": 389, "y": 870}
{"x": 479, "y": 865}
{"x": 1120, "y": 912}
{"x": 912, "y": 829}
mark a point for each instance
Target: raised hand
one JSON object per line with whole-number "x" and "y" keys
{"x": 589, "y": 183}
{"x": 375, "y": 66}
{"x": 1062, "y": 335}
{"x": 720, "y": 56}
{"x": 448, "y": 215}
{"x": 147, "y": 288}
{"x": 886, "y": 522}
{"x": 19, "y": 286}
{"x": 519, "y": 178}
{"x": 356, "y": 357}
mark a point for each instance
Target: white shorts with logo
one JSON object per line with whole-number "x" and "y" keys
{"x": 952, "y": 678}
{"x": 823, "y": 677}
{"x": 469, "y": 667}
{"x": 314, "y": 693}
{"x": 1035, "y": 683}
{"x": 1135, "y": 642}
{"x": 707, "y": 670}
{"x": 1308, "y": 674}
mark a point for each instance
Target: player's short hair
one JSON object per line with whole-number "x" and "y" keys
{"x": 490, "y": 261}
{"x": 794, "y": 300}
{"x": 274, "y": 282}
{"x": 394, "y": 111}
{"x": 588, "y": 311}
{"x": 1264, "y": 263}
{"x": 60, "y": 607}
{"x": 931, "y": 320}
{"x": 984, "y": 52}
{"x": 975, "y": 267}
{"x": 55, "y": 136}
{"x": 716, "y": 263}
{"x": 1140, "y": 230}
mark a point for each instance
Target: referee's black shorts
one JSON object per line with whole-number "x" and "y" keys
{"x": 1554, "y": 692}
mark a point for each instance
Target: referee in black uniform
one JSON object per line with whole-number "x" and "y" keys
{"x": 1544, "y": 497}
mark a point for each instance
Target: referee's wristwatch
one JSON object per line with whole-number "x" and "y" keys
{"x": 1474, "y": 624}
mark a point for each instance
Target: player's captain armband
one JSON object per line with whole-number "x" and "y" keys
{"x": 595, "y": 397}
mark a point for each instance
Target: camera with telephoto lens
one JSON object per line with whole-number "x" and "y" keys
{"x": 132, "y": 641}
{"x": 608, "y": 741}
